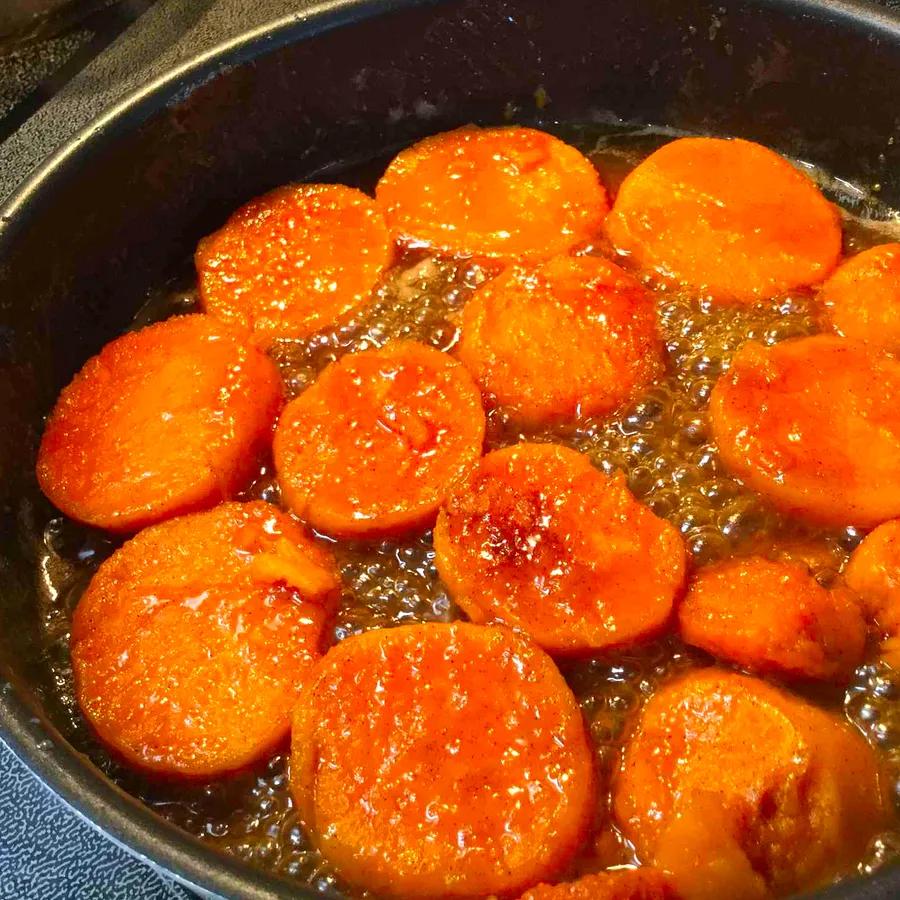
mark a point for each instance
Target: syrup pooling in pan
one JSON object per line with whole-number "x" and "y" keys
{"x": 660, "y": 439}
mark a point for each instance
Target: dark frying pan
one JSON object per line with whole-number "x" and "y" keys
{"x": 119, "y": 209}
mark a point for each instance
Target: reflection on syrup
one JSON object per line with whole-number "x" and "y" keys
{"x": 660, "y": 440}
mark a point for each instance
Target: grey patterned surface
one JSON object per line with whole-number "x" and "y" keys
{"x": 48, "y": 853}
{"x": 168, "y": 34}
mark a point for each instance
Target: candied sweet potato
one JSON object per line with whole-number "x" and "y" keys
{"x": 442, "y": 761}
{"x": 862, "y": 298}
{"x": 573, "y": 337}
{"x": 773, "y": 618}
{"x": 621, "y": 884}
{"x": 728, "y": 217}
{"x": 874, "y": 574}
{"x": 814, "y": 425}
{"x": 193, "y": 640}
{"x": 371, "y": 447}
{"x": 166, "y": 420}
{"x": 537, "y": 538}
{"x": 295, "y": 260}
{"x": 769, "y": 793}
{"x": 507, "y": 192}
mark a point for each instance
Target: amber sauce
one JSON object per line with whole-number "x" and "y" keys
{"x": 661, "y": 441}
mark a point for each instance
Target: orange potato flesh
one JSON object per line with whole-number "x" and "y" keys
{"x": 370, "y": 448}
{"x": 862, "y": 298}
{"x": 814, "y": 425}
{"x": 294, "y": 260}
{"x": 773, "y": 618}
{"x": 538, "y": 539}
{"x": 623, "y": 884}
{"x": 874, "y": 574}
{"x": 442, "y": 761}
{"x": 166, "y": 420}
{"x": 187, "y": 660}
{"x": 769, "y": 792}
{"x": 728, "y": 217}
{"x": 496, "y": 192}
{"x": 574, "y": 337}
{"x": 702, "y": 853}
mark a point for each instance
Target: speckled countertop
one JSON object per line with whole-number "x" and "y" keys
{"x": 169, "y": 33}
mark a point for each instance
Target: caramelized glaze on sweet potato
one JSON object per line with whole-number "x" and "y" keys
{"x": 163, "y": 421}
{"x": 622, "y": 884}
{"x": 372, "y": 446}
{"x": 573, "y": 337}
{"x": 539, "y": 539}
{"x": 497, "y": 192}
{"x": 294, "y": 260}
{"x": 862, "y": 298}
{"x": 192, "y": 642}
{"x": 773, "y": 618}
{"x": 442, "y": 761}
{"x": 814, "y": 425}
{"x": 764, "y": 791}
{"x": 728, "y": 217}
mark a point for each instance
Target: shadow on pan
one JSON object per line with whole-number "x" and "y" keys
{"x": 116, "y": 213}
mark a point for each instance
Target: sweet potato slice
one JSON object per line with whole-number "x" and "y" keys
{"x": 496, "y": 192}
{"x": 862, "y": 298}
{"x": 574, "y": 337}
{"x": 442, "y": 761}
{"x": 773, "y": 618}
{"x": 874, "y": 574}
{"x": 767, "y": 792}
{"x": 371, "y": 447}
{"x": 191, "y": 644}
{"x": 539, "y": 539}
{"x": 294, "y": 260}
{"x": 728, "y": 217}
{"x": 703, "y": 854}
{"x": 622, "y": 884}
{"x": 166, "y": 420}
{"x": 814, "y": 425}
